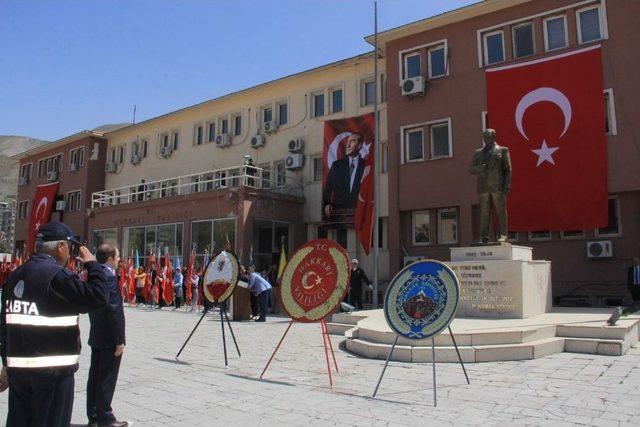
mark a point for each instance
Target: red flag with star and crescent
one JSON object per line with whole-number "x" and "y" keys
{"x": 41, "y": 211}
{"x": 550, "y": 113}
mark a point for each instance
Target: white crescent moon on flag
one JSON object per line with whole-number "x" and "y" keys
{"x": 540, "y": 95}
{"x": 332, "y": 152}
{"x": 42, "y": 204}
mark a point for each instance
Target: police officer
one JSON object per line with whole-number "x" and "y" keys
{"x": 39, "y": 334}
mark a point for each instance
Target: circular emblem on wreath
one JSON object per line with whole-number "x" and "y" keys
{"x": 422, "y": 299}
{"x": 221, "y": 277}
{"x": 315, "y": 280}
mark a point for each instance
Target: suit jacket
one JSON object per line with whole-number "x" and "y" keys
{"x": 336, "y": 190}
{"x": 107, "y": 324}
{"x": 630, "y": 277}
{"x": 358, "y": 276}
{"x": 497, "y": 176}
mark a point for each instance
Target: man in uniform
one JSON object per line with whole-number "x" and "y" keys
{"x": 39, "y": 334}
{"x": 107, "y": 341}
{"x": 492, "y": 164}
{"x": 358, "y": 277}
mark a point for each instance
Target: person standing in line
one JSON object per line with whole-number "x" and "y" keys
{"x": 140, "y": 278}
{"x": 633, "y": 280}
{"x": 260, "y": 287}
{"x": 358, "y": 277}
{"x": 107, "y": 341}
{"x": 178, "y": 279}
{"x": 195, "y": 279}
{"x": 39, "y": 333}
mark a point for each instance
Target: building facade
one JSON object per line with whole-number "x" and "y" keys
{"x": 432, "y": 137}
{"x": 77, "y": 164}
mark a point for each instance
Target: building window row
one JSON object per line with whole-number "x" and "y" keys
{"x": 50, "y": 165}
{"x": 74, "y": 200}
{"x": 589, "y": 28}
{"x": 331, "y": 100}
{"x": 76, "y": 159}
{"x": 427, "y": 141}
{"x": 23, "y": 209}
{"x": 430, "y": 61}
{"x": 446, "y": 223}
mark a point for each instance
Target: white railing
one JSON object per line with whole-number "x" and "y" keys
{"x": 280, "y": 181}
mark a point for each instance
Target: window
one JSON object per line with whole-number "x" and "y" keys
{"x": 368, "y": 88}
{"x": 447, "y": 226}
{"x": 135, "y": 148}
{"x": 224, "y": 126}
{"x": 342, "y": 237}
{"x": 175, "y": 138}
{"x": 220, "y": 180}
{"x": 420, "y": 228}
{"x": 440, "y": 138}
{"x": 512, "y": 236}
{"x": 336, "y": 101}
{"x": 611, "y": 126}
{"x": 112, "y": 155}
{"x": 523, "y": 40}
{"x": 572, "y": 234}
{"x": 412, "y": 65}
{"x": 414, "y": 145}
{"x": 485, "y": 121}
{"x": 76, "y": 158}
{"x": 50, "y": 164}
{"x": 164, "y": 140}
{"x": 23, "y": 209}
{"x": 539, "y": 235}
{"x": 121, "y": 151}
{"x": 318, "y": 104}
{"x": 25, "y": 171}
{"x": 317, "y": 169}
{"x": 555, "y": 33}
{"x": 384, "y": 157}
{"x": 266, "y": 175}
{"x": 267, "y": 114}
{"x": 42, "y": 168}
{"x": 108, "y": 235}
{"x": 145, "y": 147}
{"x": 589, "y": 25}
{"x": 321, "y": 233}
{"x": 613, "y": 227}
{"x": 383, "y": 87}
{"x": 281, "y": 175}
{"x": 211, "y": 236}
{"x": 283, "y": 113}
{"x": 437, "y": 62}
{"x": 493, "y": 48}
{"x": 198, "y": 134}
{"x": 237, "y": 125}
{"x": 74, "y": 201}
{"x": 211, "y": 131}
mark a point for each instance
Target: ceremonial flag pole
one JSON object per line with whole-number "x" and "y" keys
{"x": 376, "y": 159}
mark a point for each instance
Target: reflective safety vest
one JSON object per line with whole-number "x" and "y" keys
{"x": 41, "y": 328}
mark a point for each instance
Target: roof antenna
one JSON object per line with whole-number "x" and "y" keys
{"x": 134, "y": 114}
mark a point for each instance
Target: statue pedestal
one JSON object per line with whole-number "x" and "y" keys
{"x": 501, "y": 281}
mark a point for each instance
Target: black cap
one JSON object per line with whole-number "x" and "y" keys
{"x": 55, "y": 230}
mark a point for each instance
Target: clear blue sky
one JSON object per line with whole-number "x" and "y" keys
{"x": 70, "y": 65}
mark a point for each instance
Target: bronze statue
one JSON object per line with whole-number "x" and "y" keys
{"x": 492, "y": 164}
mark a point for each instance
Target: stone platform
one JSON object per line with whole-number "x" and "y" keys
{"x": 573, "y": 330}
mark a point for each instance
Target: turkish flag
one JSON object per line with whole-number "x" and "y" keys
{"x": 550, "y": 113}
{"x": 167, "y": 281}
{"x": 336, "y": 135}
{"x": 41, "y": 211}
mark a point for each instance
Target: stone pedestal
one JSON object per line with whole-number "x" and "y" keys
{"x": 501, "y": 281}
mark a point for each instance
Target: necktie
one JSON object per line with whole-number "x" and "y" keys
{"x": 351, "y": 168}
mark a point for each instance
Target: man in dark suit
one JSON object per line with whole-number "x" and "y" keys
{"x": 633, "y": 280}
{"x": 107, "y": 341}
{"x": 343, "y": 183}
{"x": 358, "y": 277}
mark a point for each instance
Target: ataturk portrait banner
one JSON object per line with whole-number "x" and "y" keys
{"x": 348, "y": 175}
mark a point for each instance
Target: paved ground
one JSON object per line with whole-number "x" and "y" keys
{"x": 153, "y": 390}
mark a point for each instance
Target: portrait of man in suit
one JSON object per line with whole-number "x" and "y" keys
{"x": 343, "y": 182}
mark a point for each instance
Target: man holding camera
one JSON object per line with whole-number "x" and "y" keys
{"x": 39, "y": 333}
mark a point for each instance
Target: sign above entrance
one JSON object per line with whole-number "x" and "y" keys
{"x": 221, "y": 277}
{"x": 315, "y": 280}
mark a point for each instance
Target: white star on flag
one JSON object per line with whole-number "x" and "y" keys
{"x": 545, "y": 153}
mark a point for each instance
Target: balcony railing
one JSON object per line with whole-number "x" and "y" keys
{"x": 277, "y": 180}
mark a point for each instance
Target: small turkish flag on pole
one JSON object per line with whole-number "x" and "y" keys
{"x": 550, "y": 113}
{"x": 41, "y": 211}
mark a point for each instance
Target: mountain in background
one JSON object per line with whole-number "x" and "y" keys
{"x": 10, "y": 146}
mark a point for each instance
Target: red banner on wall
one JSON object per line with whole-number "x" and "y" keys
{"x": 348, "y": 175}
{"x": 550, "y": 113}
{"x": 41, "y": 211}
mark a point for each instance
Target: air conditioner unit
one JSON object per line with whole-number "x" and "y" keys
{"x": 166, "y": 151}
{"x": 111, "y": 167}
{"x": 24, "y": 180}
{"x": 135, "y": 158}
{"x": 600, "y": 249}
{"x": 223, "y": 140}
{"x": 411, "y": 259}
{"x": 61, "y": 206}
{"x": 269, "y": 126}
{"x": 413, "y": 86}
{"x": 73, "y": 167}
{"x": 257, "y": 141}
{"x": 52, "y": 176}
{"x": 294, "y": 161}
{"x": 296, "y": 145}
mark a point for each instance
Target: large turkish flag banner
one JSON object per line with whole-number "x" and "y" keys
{"x": 41, "y": 211}
{"x": 550, "y": 114}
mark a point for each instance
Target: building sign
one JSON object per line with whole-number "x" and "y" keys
{"x": 422, "y": 299}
